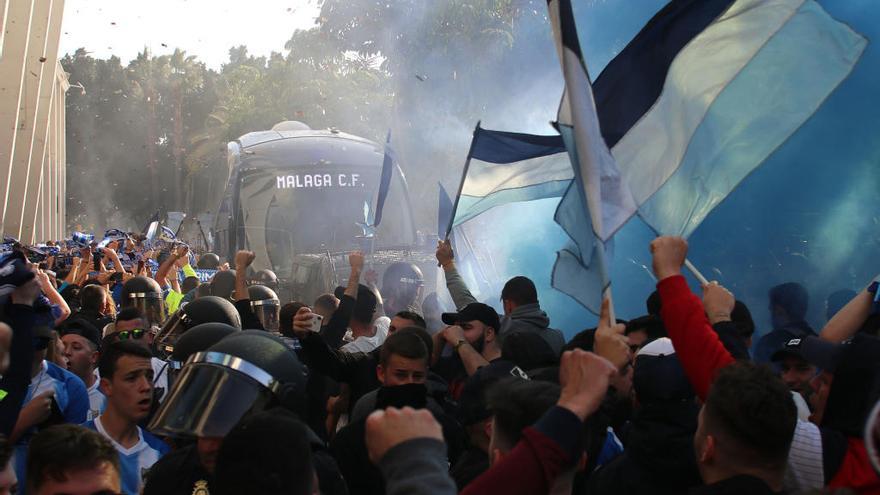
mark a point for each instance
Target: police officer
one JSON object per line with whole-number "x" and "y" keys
{"x": 266, "y": 306}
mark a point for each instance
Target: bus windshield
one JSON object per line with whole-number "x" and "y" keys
{"x": 286, "y": 212}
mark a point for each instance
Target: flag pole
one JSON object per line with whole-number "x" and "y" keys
{"x": 464, "y": 172}
{"x": 696, "y": 273}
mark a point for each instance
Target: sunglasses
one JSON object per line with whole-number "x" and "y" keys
{"x": 135, "y": 334}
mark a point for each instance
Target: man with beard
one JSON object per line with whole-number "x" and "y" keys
{"x": 473, "y": 338}
{"x": 796, "y": 372}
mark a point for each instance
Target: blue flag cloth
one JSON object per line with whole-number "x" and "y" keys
{"x": 507, "y": 167}
{"x": 385, "y": 180}
{"x": 699, "y": 99}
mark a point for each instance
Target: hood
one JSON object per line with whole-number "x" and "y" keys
{"x": 661, "y": 441}
{"x": 525, "y": 316}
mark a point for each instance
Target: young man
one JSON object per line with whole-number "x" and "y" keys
{"x": 72, "y": 460}
{"x": 82, "y": 345}
{"x": 131, "y": 325}
{"x": 744, "y": 432}
{"x": 127, "y": 382}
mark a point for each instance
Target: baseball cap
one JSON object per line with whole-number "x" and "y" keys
{"x": 474, "y": 312}
{"x": 820, "y": 353}
{"x": 83, "y": 328}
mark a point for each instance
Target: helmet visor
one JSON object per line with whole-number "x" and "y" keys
{"x": 208, "y": 399}
{"x": 150, "y": 304}
{"x": 268, "y": 311}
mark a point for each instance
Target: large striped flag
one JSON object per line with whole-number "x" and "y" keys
{"x": 507, "y": 167}
{"x": 697, "y": 100}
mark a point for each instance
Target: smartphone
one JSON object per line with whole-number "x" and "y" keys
{"x": 316, "y": 323}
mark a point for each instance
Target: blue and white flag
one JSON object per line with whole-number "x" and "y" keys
{"x": 701, "y": 97}
{"x": 598, "y": 201}
{"x": 505, "y": 167}
{"x": 732, "y": 93}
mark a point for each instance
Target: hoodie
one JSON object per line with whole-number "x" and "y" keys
{"x": 530, "y": 318}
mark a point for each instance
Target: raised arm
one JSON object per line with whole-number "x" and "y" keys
{"x": 555, "y": 441}
{"x": 461, "y": 295}
{"x": 696, "y": 344}
{"x": 850, "y": 318}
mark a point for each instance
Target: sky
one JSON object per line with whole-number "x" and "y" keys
{"x": 206, "y": 28}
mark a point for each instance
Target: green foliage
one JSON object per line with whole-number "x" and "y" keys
{"x": 152, "y": 134}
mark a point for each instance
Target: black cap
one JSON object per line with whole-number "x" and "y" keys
{"x": 820, "y": 353}
{"x": 81, "y": 327}
{"x": 474, "y": 311}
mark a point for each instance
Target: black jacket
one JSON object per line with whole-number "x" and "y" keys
{"x": 178, "y": 473}
{"x": 15, "y": 381}
{"x": 659, "y": 455}
{"x": 738, "y": 485}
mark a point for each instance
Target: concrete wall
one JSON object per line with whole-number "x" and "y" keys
{"x": 32, "y": 98}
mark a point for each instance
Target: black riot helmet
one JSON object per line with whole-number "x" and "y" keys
{"x": 266, "y": 278}
{"x": 208, "y": 309}
{"x": 208, "y": 261}
{"x": 223, "y": 284}
{"x": 266, "y": 306}
{"x": 243, "y": 374}
{"x": 144, "y": 294}
{"x": 198, "y": 339}
{"x": 402, "y": 284}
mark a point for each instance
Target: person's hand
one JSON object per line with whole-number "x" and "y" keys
{"x": 183, "y": 251}
{"x": 391, "y": 427}
{"x": 110, "y": 252}
{"x": 718, "y": 302}
{"x": 302, "y": 322}
{"x": 103, "y": 278}
{"x": 444, "y": 253}
{"x": 584, "y": 377}
{"x": 356, "y": 260}
{"x": 75, "y": 261}
{"x": 38, "y": 409}
{"x": 243, "y": 259}
{"x": 27, "y": 293}
{"x": 43, "y": 279}
{"x": 610, "y": 342}
{"x": 668, "y": 254}
{"x": 453, "y": 334}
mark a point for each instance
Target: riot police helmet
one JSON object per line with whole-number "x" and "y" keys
{"x": 208, "y": 261}
{"x": 208, "y": 309}
{"x": 144, "y": 294}
{"x": 245, "y": 373}
{"x": 266, "y": 306}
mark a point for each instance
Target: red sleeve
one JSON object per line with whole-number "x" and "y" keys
{"x": 698, "y": 348}
{"x": 856, "y": 472}
{"x": 529, "y": 469}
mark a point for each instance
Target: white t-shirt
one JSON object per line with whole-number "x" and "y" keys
{"x": 97, "y": 400}
{"x": 367, "y": 344}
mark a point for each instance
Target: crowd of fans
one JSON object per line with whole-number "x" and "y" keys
{"x": 123, "y": 372}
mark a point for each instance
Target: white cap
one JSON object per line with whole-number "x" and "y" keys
{"x": 659, "y": 347}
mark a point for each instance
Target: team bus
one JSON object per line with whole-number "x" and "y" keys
{"x": 300, "y": 198}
